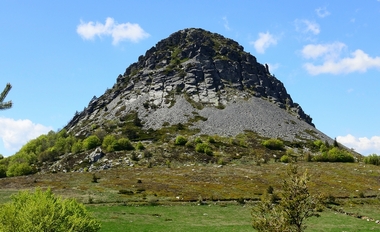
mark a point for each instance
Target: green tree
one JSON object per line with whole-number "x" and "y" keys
{"x": 296, "y": 205}
{"x": 8, "y": 104}
{"x": 3, "y": 171}
{"x": 109, "y": 142}
{"x": 124, "y": 144}
{"x": 43, "y": 211}
{"x": 91, "y": 142}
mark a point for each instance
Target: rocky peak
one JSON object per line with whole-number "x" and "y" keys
{"x": 206, "y": 69}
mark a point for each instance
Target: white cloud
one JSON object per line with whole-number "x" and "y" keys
{"x": 273, "y": 67}
{"x": 263, "y": 42}
{"x": 363, "y": 145}
{"x": 306, "y": 26}
{"x": 322, "y": 12}
{"x": 16, "y": 133}
{"x": 226, "y": 24}
{"x": 119, "y": 32}
{"x": 330, "y": 56}
{"x": 327, "y": 51}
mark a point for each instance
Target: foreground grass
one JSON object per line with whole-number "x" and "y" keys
{"x": 212, "y": 217}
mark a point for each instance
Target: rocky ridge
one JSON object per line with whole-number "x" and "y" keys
{"x": 196, "y": 73}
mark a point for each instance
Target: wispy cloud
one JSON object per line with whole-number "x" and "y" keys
{"x": 264, "y": 41}
{"x": 226, "y": 24}
{"x": 306, "y": 26}
{"x": 16, "y": 133}
{"x": 362, "y": 145}
{"x": 118, "y": 32}
{"x": 333, "y": 63}
{"x": 322, "y": 12}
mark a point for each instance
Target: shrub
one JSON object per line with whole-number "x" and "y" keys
{"x": 91, "y": 142}
{"x": 77, "y": 147}
{"x": 20, "y": 169}
{"x": 372, "y": 159}
{"x": 198, "y": 140}
{"x": 3, "y": 171}
{"x": 211, "y": 139}
{"x": 203, "y": 148}
{"x": 109, "y": 143}
{"x": 140, "y": 146}
{"x": 124, "y": 144}
{"x": 335, "y": 155}
{"x": 42, "y": 211}
{"x": 285, "y": 159}
{"x": 274, "y": 144}
{"x": 180, "y": 140}
{"x": 291, "y": 212}
{"x": 208, "y": 151}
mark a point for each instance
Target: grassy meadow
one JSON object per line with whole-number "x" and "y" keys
{"x": 170, "y": 198}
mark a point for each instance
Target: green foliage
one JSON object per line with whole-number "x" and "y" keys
{"x": 77, "y": 147}
{"x": 140, "y": 146}
{"x": 273, "y": 144}
{"x": 211, "y": 139}
{"x": 4, "y": 93}
{"x": 372, "y": 159}
{"x": 123, "y": 144}
{"x": 289, "y": 214}
{"x": 109, "y": 143}
{"x": 335, "y": 154}
{"x": 91, "y": 142}
{"x": 3, "y": 171}
{"x": 285, "y": 159}
{"x": 20, "y": 169}
{"x": 198, "y": 140}
{"x": 43, "y": 211}
{"x": 180, "y": 140}
{"x": 203, "y": 148}
{"x": 318, "y": 143}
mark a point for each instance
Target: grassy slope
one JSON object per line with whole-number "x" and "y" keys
{"x": 189, "y": 183}
{"x": 180, "y": 184}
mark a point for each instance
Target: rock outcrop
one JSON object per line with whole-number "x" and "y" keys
{"x": 196, "y": 72}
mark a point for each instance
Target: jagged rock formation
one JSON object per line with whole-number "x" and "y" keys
{"x": 196, "y": 73}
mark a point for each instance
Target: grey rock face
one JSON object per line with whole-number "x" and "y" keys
{"x": 197, "y": 71}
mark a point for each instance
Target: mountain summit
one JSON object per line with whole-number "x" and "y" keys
{"x": 200, "y": 79}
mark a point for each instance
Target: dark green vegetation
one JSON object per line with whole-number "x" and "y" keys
{"x": 5, "y": 105}
{"x": 127, "y": 139}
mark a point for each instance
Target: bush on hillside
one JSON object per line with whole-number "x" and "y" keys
{"x": 20, "y": 169}
{"x": 335, "y": 155}
{"x": 3, "y": 171}
{"x": 140, "y": 146}
{"x": 77, "y": 147}
{"x": 42, "y": 211}
{"x": 285, "y": 159}
{"x": 124, "y": 144}
{"x": 109, "y": 143}
{"x": 91, "y": 142}
{"x": 372, "y": 159}
{"x": 274, "y": 144}
{"x": 180, "y": 140}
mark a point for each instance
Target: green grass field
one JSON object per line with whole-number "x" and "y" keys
{"x": 211, "y": 217}
{"x": 176, "y": 190}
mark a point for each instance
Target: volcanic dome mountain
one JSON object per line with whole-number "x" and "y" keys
{"x": 204, "y": 80}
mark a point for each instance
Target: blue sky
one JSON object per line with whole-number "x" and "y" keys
{"x": 59, "y": 54}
